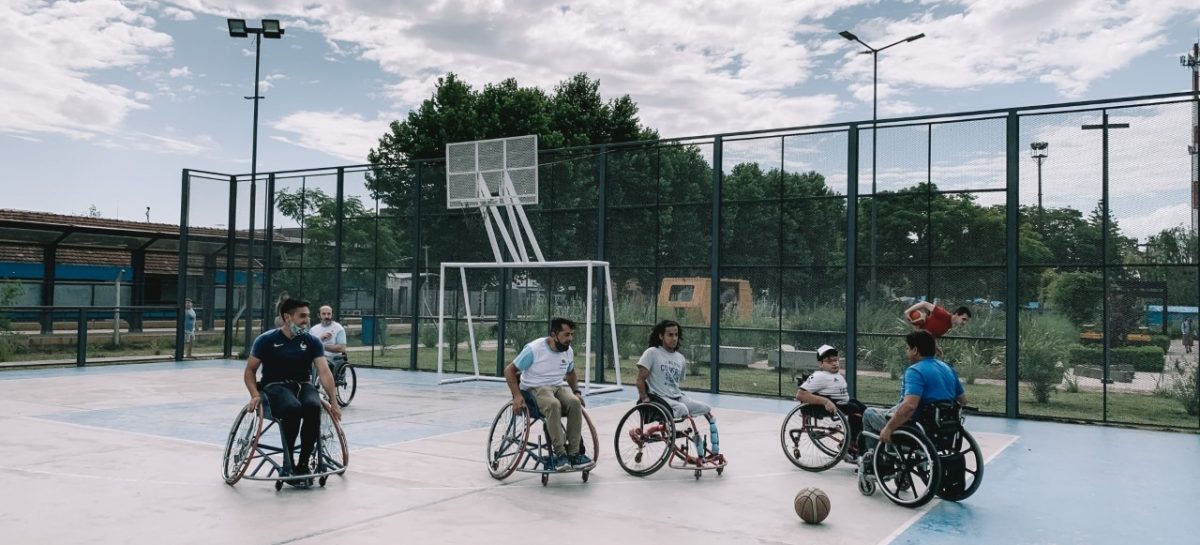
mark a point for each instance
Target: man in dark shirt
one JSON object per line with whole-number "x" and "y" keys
{"x": 287, "y": 355}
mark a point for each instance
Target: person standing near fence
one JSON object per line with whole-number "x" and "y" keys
{"x": 1188, "y": 329}
{"x": 189, "y": 326}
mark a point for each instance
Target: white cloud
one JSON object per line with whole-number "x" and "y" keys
{"x": 49, "y": 50}
{"x": 181, "y": 72}
{"x": 345, "y": 136}
{"x": 178, "y": 14}
{"x": 1068, "y": 44}
{"x": 1154, "y": 222}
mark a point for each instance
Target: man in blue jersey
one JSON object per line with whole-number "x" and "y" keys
{"x": 543, "y": 365}
{"x": 928, "y": 380}
{"x": 287, "y": 355}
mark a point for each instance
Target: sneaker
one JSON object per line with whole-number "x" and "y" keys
{"x": 580, "y": 461}
{"x": 559, "y": 462}
{"x": 298, "y": 478}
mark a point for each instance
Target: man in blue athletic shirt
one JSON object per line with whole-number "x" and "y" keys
{"x": 928, "y": 380}
{"x": 287, "y": 355}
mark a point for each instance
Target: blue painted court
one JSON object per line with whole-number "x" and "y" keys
{"x": 132, "y": 454}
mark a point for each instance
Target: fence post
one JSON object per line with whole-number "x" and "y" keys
{"x": 852, "y": 261}
{"x": 1012, "y": 375}
{"x": 81, "y": 338}
{"x": 714, "y": 295}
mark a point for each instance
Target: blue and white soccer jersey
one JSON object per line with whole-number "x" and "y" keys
{"x": 540, "y": 365}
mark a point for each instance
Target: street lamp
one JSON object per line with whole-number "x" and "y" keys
{"x": 1192, "y": 63}
{"x": 874, "y": 122}
{"x": 237, "y": 29}
{"x": 1037, "y": 150}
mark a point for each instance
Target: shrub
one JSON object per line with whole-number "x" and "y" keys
{"x": 1147, "y": 359}
{"x": 518, "y": 334}
{"x": 1075, "y": 295}
{"x": 1043, "y": 347}
{"x": 1186, "y": 388}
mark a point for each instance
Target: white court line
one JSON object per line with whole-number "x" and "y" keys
{"x": 119, "y": 430}
{"x": 913, "y": 520}
{"x": 97, "y": 477}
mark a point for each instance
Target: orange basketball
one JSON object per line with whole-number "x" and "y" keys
{"x": 812, "y": 505}
{"x": 917, "y": 317}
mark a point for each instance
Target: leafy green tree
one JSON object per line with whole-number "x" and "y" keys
{"x": 367, "y": 240}
{"x": 1076, "y": 295}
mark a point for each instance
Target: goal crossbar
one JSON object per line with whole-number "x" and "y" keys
{"x": 590, "y": 265}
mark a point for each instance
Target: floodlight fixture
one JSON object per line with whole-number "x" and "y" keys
{"x": 237, "y": 28}
{"x": 271, "y": 29}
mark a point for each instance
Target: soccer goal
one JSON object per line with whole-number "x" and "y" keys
{"x": 499, "y": 177}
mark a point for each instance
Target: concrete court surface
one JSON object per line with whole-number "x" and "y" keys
{"x": 132, "y": 454}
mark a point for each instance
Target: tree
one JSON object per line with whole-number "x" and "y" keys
{"x": 1076, "y": 295}
{"x": 573, "y": 115}
{"x": 367, "y": 241}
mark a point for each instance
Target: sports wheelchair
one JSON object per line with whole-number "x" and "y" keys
{"x": 247, "y": 456}
{"x": 649, "y": 436}
{"x": 931, "y": 455}
{"x": 814, "y": 439}
{"x": 344, "y": 377}
{"x": 511, "y": 449}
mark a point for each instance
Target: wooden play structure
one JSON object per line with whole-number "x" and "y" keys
{"x": 691, "y": 297}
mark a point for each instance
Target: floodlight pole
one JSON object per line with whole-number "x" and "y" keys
{"x": 238, "y": 29}
{"x": 872, "y": 282}
{"x": 1039, "y": 154}
{"x": 1192, "y": 63}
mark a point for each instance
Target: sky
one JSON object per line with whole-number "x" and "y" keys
{"x": 104, "y": 102}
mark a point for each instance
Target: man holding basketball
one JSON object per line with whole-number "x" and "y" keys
{"x": 935, "y": 319}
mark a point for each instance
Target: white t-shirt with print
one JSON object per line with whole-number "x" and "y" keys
{"x": 824, "y": 383}
{"x": 541, "y": 365}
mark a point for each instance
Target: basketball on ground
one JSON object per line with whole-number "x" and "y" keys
{"x": 812, "y": 505}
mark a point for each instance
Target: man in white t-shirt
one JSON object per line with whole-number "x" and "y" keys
{"x": 543, "y": 365}
{"x": 826, "y": 387}
{"x": 661, "y": 369}
{"x": 332, "y": 335}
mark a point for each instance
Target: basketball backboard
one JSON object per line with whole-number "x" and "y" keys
{"x": 490, "y": 162}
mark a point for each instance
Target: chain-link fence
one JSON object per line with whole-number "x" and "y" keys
{"x": 1066, "y": 232}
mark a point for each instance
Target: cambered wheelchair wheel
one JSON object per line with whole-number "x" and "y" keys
{"x": 814, "y": 439}
{"x": 908, "y": 469}
{"x": 241, "y": 444}
{"x": 972, "y": 476}
{"x": 346, "y": 381}
{"x": 644, "y": 438}
{"x": 507, "y": 440}
{"x": 334, "y": 455}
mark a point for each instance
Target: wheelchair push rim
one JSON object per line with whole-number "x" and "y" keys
{"x": 645, "y": 425}
{"x": 346, "y": 382}
{"x": 506, "y": 450}
{"x": 907, "y": 470}
{"x": 812, "y": 443}
{"x": 244, "y": 436}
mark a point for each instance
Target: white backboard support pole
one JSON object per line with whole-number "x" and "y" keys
{"x": 503, "y": 173}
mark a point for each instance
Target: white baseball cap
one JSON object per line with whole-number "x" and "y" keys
{"x": 825, "y": 351}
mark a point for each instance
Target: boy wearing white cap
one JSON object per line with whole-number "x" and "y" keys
{"x": 827, "y": 388}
